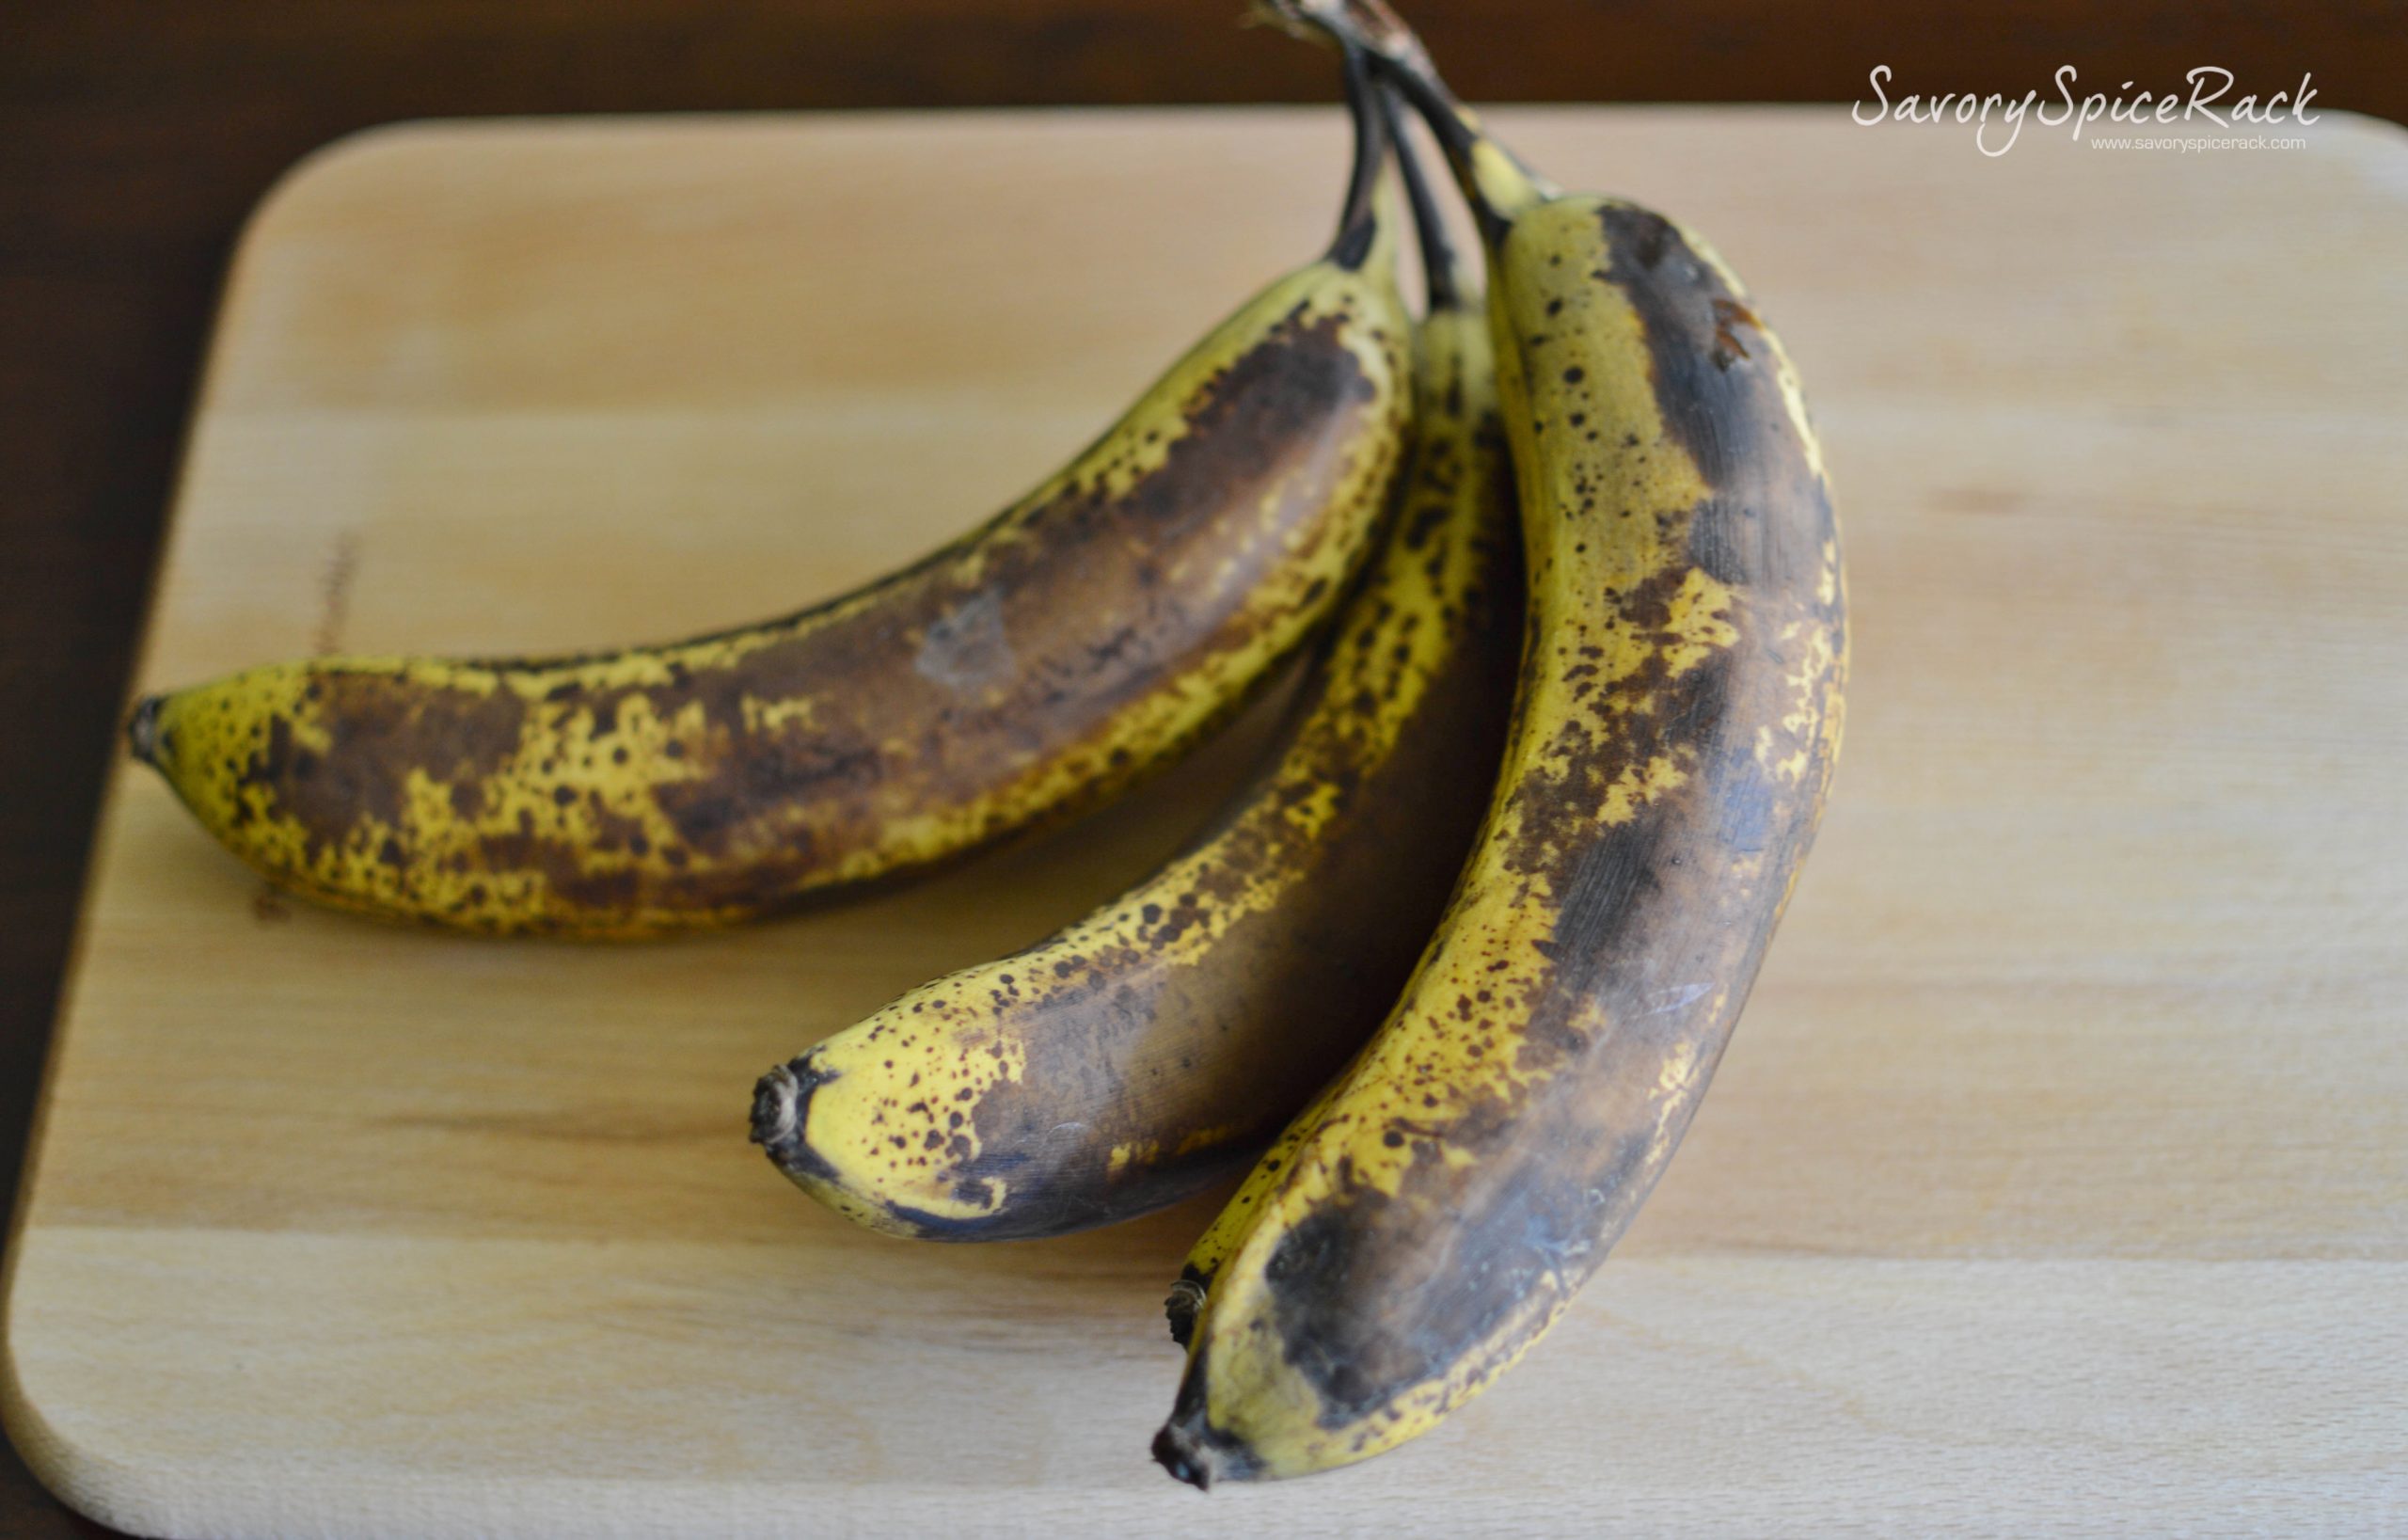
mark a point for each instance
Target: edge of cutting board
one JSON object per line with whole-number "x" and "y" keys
{"x": 94, "y": 1480}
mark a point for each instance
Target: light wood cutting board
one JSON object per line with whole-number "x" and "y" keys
{"x": 2057, "y": 1179}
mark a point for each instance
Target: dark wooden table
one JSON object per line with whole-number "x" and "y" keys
{"x": 135, "y": 135}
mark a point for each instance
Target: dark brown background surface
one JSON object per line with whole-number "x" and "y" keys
{"x": 135, "y": 135}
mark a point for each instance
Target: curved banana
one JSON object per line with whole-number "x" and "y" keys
{"x": 1136, "y": 1056}
{"x": 1677, "y": 722}
{"x": 1081, "y": 638}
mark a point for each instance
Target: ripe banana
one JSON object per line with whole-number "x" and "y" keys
{"x": 1084, "y": 636}
{"x": 1678, "y": 717}
{"x": 1136, "y": 1056}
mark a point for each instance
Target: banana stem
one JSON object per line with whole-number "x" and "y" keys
{"x": 1441, "y": 268}
{"x": 1492, "y": 179}
{"x": 1359, "y": 221}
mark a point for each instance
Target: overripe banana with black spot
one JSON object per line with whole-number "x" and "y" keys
{"x": 1081, "y": 638}
{"x": 1133, "y": 1058}
{"x": 1677, "y": 726}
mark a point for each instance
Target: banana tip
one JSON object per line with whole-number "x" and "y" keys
{"x": 775, "y": 1120}
{"x": 1194, "y": 1451}
{"x": 142, "y": 729}
{"x": 1175, "y": 1453}
{"x": 781, "y": 1110}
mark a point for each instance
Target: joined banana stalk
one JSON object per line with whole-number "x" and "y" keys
{"x": 1143, "y": 1052}
{"x": 1085, "y": 636}
{"x": 1679, "y": 712}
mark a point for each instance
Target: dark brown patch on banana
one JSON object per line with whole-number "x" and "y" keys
{"x": 1042, "y": 663}
{"x": 1662, "y": 921}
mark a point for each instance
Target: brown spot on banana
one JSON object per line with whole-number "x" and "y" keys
{"x": 1678, "y": 718}
{"x": 1083, "y": 638}
{"x": 1138, "y": 1055}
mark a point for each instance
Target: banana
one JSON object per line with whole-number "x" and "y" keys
{"x": 1140, "y": 1054}
{"x": 1081, "y": 638}
{"x": 1672, "y": 738}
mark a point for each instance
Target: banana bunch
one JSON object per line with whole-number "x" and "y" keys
{"x": 1452, "y": 971}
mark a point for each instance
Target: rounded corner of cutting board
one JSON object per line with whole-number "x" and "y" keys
{"x": 2376, "y": 135}
{"x": 107, "y": 1488}
{"x": 338, "y": 161}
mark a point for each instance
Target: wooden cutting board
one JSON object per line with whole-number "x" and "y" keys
{"x": 2057, "y": 1180}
